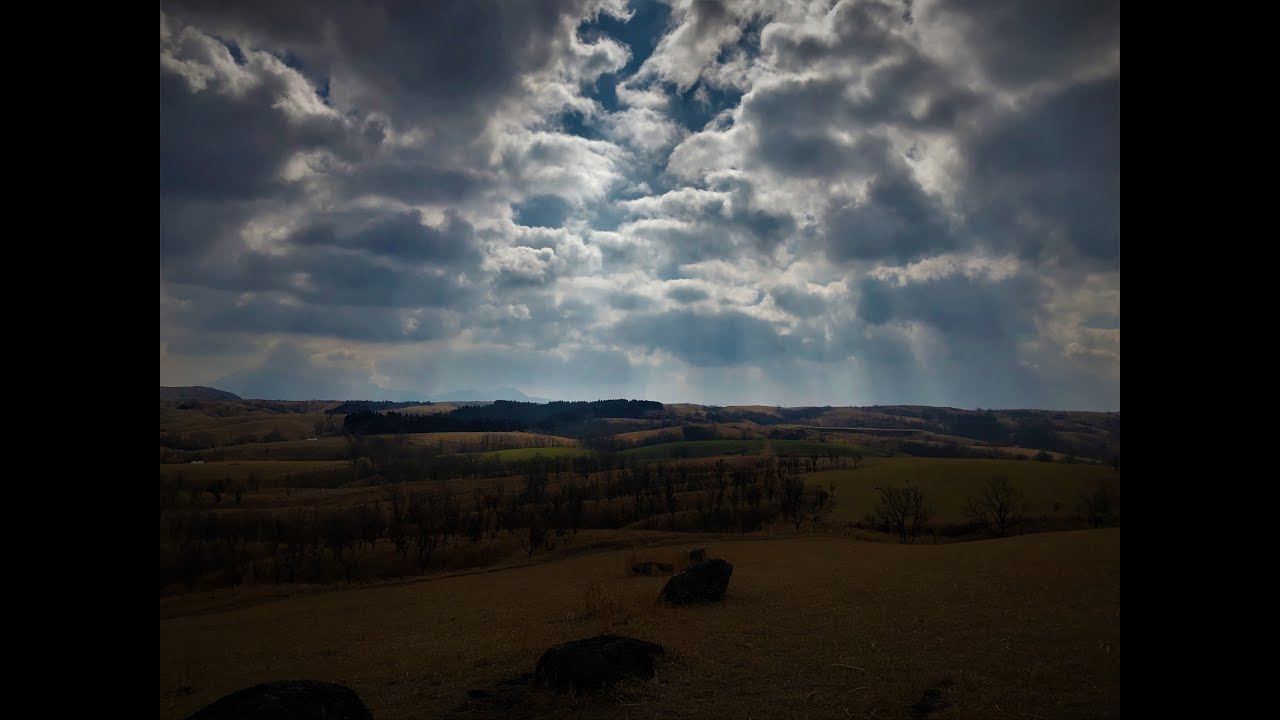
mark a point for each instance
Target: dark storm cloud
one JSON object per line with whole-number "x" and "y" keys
{"x": 193, "y": 228}
{"x": 956, "y": 306}
{"x": 894, "y": 88}
{"x": 542, "y": 211}
{"x": 354, "y": 279}
{"x": 213, "y": 147}
{"x": 1021, "y": 42}
{"x": 1047, "y": 179}
{"x": 346, "y": 322}
{"x": 897, "y": 219}
{"x": 793, "y": 124}
{"x": 798, "y": 302}
{"x": 282, "y": 313}
{"x": 402, "y": 236}
{"x": 328, "y": 276}
{"x": 705, "y": 340}
{"x": 415, "y": 181}
{"x": 763, "y": 225}
{"x": 707, "y": 14}
{"x": 860, "y": 33}
{"x": 448, "y": 57}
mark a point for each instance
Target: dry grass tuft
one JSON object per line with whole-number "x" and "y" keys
{"x": 600, "y": 604}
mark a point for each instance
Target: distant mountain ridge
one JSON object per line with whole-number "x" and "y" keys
{"x": 506, "y": 393}
{"x": 196, "y": 392}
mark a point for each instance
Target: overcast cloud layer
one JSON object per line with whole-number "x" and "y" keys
{"x": 805, "y": 203}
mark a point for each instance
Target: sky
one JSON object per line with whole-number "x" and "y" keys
{"x": 739, "y": 202}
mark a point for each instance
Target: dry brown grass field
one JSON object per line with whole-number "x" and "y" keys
{"x": 811, "y": 627}
{"x": 270, "y": 472}
{"x": 255, "y": 423}
{"x": 641, "y": 437}
{"x": 761, "y": 409}
{"x": 321, "y": 448}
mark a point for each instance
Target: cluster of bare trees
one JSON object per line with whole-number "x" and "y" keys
{"x": 903, "y": 510}
{"x": 549, "y": 504}
{"x": 540, "y": 503}
{"x": 998, "y": 509}
{"x": 178, "y": 491}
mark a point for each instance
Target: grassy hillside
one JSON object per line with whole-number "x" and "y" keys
{"x": 195, "y": 392}
{"x": 296, "y": 473}
{"x": 468, "y": 442}
{"x": 202, "y": 425}
{"x": 946, "y": 482}
{"x": 531, "y": 453}
{"x": 325, "y": 448}
{"x": 712, "y": 448}
{"x": 811, "y": 627}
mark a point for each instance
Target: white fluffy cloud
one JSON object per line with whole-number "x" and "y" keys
{"x": 850, "y": 202}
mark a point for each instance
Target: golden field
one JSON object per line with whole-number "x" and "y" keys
{"x": 811, "y": 627}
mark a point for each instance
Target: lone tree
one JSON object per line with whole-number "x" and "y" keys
{"x": 820, "y": 504}
{"x": 537, "y": 536}
{"x": 1096, "y": 507}
{"x": 903, "y": 509}
{"x": 793, "y": 504}
{"x": 998, "y": 508}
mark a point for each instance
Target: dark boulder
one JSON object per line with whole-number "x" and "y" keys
{"x": 595, "y": 662}
{"x": 702, "y": 582}
{"x": 651, "y": 568}
{"x": 698, "y": 555}
{"x": 288, "y": 700}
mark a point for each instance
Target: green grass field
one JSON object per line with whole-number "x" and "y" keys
{"x": 712, "y": 448}
{"x": 811, "y": 627}
{"x": 521, "y": 454}
{"x": 946, "y": 482}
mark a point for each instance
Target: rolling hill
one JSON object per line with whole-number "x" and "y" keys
{"x": 195, "y": 392}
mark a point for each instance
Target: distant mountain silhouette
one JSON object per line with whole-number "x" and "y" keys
{"x": 506, "y": 393}
{"x": 195, "y": 392}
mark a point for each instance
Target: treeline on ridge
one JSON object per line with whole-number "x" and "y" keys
{"x": 355, "y": 406}
{"x": 501, "y": 416}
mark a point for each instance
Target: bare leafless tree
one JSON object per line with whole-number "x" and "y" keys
{"x": 821, "y": 501}
{"x": 536, "y": 537}
{"x": 1096, "y": 507}
{"x": 998, "y": 508}
{"x": 793, "y": 501}
{"x": 904, "y": 510}
{"x": 425, "y": 515}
